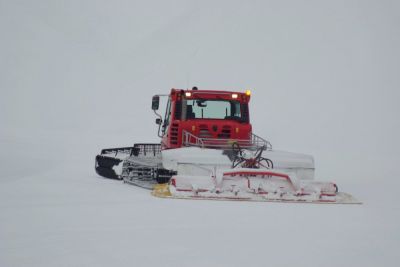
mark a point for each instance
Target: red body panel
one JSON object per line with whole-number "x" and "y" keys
{"x": 204, "y": 128}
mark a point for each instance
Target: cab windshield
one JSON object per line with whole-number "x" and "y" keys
{"x": 213, "y": 109}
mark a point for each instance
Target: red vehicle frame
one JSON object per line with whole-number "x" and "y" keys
{"x": 179, "y": 126}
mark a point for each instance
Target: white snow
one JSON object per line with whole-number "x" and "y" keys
{"x": 55, "y": 211}
{"x": 78, "y": 76}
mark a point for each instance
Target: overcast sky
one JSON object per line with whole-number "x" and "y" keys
{"x": 324, "y": 74}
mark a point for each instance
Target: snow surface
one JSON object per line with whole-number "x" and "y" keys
{"x": 78, "y": 76}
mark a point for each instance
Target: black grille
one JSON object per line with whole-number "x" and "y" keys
{"x": 178, "y": 110}
{"x": 204, "y": 132}
{"x": 225, "y": 132}
{"x": 174, "y": 133}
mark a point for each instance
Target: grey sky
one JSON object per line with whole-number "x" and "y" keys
{"x": 324, "y": 74}
{"x": 78, "y": 76}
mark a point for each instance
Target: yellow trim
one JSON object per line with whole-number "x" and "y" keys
{"x": 161, "y": 190}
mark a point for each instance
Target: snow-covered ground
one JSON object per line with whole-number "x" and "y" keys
{"x": 78, "y": 76}
{"x": 55, "y": 211}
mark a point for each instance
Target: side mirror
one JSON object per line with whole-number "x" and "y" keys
{"x": 158, "y": 121}
{"x": 155, "y": 103}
